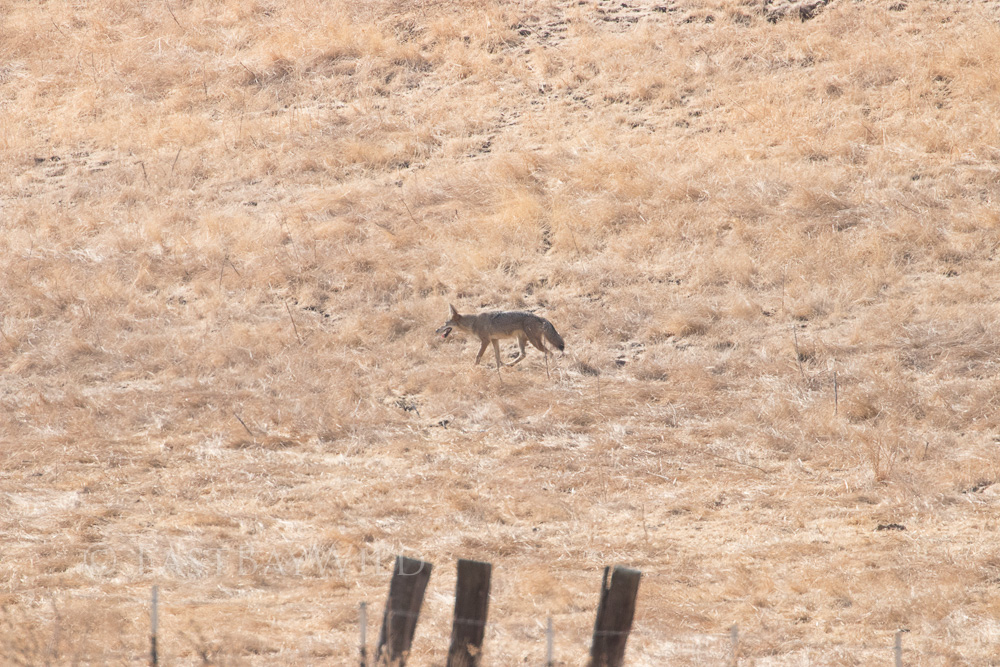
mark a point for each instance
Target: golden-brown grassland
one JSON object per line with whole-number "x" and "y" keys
{"x": 228, "y": 231}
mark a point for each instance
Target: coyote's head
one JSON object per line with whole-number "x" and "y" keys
{"x": 453, "y": 319}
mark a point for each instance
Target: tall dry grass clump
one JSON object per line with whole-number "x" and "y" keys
{"x": 766, "y": 232}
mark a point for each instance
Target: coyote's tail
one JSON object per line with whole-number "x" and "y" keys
{"x": 553, "y": 336}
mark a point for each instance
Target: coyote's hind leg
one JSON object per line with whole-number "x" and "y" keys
{"x": 521, "y": 340}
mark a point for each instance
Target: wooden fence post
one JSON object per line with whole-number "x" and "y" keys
{"x": 402, "y": 608}
{"x": 363, "y": 622}
{"x": 549, "y": 641}
{"x": 154, "y": 620}
{"x": 472, "y": 601}
{"x": 614, "y": 617}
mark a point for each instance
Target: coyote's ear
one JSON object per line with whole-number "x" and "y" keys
{"x": 451, "y": 311}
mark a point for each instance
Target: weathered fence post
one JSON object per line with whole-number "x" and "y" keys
{"x": 472, "y": 601}
{"x": 154, "y": 657}
{"x": 402, "y": 608}
{"x": 734, "y": 640}
{"x": 549, "y": 641}
{"x": 614, "y": 617}
{"x": 898, "y": 648}
{"x": 363, "y": 622}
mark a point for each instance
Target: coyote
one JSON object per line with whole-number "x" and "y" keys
{"x": 492, "y": 327}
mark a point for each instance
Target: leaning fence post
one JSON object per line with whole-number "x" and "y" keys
{"x": 406, "y": 594}
{"x": 614, "y": 617}
{"x": 154, "y": 658}
{"x": 472, "y": 601}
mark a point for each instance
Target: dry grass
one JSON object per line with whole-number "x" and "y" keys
{"x": 230, "y": 229}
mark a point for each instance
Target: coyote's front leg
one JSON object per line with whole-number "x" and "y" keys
{"x": 496, "y": 353}
{"x": 486, "y": 343}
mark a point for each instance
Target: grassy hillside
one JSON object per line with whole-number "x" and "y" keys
{"x": 768, "y": 233}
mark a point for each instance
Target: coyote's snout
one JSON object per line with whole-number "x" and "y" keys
{"x": 493, "y": 327}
